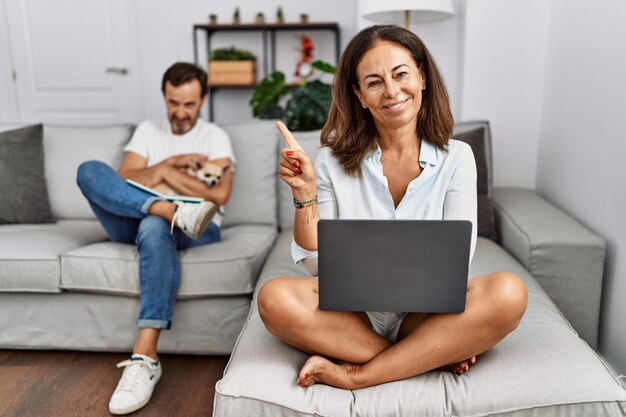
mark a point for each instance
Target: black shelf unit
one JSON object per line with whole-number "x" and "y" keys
{"x": 268, "y": 33}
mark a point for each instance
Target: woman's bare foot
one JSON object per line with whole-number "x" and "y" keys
{"x": 319, "y": 369}
{"x": 459, "y": 367}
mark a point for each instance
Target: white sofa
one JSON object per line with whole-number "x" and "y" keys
{"x": 66, "y": 286}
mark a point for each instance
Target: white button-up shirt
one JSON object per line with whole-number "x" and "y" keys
{"x": 444, "y": 190}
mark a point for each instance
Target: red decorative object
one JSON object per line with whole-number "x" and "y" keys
{"x": 303, "y": 67}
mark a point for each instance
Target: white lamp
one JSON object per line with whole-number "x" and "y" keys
{"x": 412, "y": 11}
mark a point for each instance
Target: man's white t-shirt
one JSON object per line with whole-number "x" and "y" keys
{"x": 154, "y": 140}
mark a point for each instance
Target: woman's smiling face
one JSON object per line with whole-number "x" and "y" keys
{"x": 390, "y": 85}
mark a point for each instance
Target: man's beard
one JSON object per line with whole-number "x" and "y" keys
{"x": 182, "y": 126}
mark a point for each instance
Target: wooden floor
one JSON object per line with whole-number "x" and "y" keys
{"x": 79, "y": 384}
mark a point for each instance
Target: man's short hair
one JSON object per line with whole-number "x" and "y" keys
{"x": 183, "y": 72}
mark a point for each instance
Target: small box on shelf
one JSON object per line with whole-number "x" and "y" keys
{"x": 232, "y": 73}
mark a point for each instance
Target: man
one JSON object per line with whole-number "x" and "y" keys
{"x": 160, "y": 151}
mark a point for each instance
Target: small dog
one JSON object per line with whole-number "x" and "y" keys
{"x": 209, "y": 173}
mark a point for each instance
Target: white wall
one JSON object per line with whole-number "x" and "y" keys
{"x": 582, "y": 147}
{"x": 165, "y": 36}
{"x": 503, "y": 69}
{"x": 443, "y": 41}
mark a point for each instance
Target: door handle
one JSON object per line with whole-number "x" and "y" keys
{"x": 116, "y": 70}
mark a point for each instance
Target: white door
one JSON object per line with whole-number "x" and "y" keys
{"x": 8, "y": 100}
{"x": 74, "y": 60}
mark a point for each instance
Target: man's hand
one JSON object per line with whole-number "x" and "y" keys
{"x": 189, "y": 160}
{"x": 186, "y": 184}
{"x": 135, "y": 167}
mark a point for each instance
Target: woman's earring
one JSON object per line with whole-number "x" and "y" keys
{"x": 364, "y": 105}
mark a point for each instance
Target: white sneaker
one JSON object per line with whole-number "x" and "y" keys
{"x": 134, "y": 390}
{"x": 193, "y": 218}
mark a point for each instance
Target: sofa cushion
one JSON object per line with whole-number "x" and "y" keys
{"x": 486, "y": 221}
{"x": 542, "y": 368}
{"x": 22, "y": 182}
{"x": 11, "y": 126}
{"x": 229, "y": 267}
{"x": 253, "y": 197}
{"x": 462, "y": 127}
{"x": 65, "y": 148}
{"x": 29, "y": 253}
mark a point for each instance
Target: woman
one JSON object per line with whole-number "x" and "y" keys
{"x": 389, "y": 124}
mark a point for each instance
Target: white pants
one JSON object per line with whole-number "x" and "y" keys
{"x": 386, "y": 323}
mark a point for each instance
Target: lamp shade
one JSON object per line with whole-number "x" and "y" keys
{"x": 393, "y": 11}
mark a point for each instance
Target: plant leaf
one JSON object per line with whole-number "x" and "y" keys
{"x": 231, "y": 54}
{"x": 324, "y": 67}
{"x": 308, "y": 104}
{"x": 268, "y": 92}
{"x": 308, "y": 107}
{"x": 272, "y": 111}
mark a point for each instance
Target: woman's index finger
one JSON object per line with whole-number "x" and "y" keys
{"x": 288, "y": 137}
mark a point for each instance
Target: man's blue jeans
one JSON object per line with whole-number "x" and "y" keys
{"x": 123, "y": 211}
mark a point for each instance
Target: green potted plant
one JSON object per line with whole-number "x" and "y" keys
{"x": 232, "y": 66}
{"x": 280, "y": 18}
{"x": 236, "y": 16}
{"x": 307, "y": 104}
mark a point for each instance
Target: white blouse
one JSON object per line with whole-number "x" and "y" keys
{"x": 444, "y": 190}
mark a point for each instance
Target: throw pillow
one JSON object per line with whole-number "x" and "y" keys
{"x": 66, "y": 147}
{"x": 486, "y": 222}
{"x": 22, "y": 182}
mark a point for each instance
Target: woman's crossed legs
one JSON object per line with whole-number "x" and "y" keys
{"x": 289, "y": 308}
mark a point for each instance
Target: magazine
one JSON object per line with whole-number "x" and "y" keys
{"x": 184, "y": 198}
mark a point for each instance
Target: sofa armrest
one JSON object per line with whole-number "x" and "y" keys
{"x": 566, "y": 258}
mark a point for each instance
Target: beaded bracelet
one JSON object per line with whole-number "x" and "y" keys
{"x": 302, "y": 204}
{"x": 310, "y": 207}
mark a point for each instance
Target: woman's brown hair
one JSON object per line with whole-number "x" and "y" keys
{"x": 350, "y": 131}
